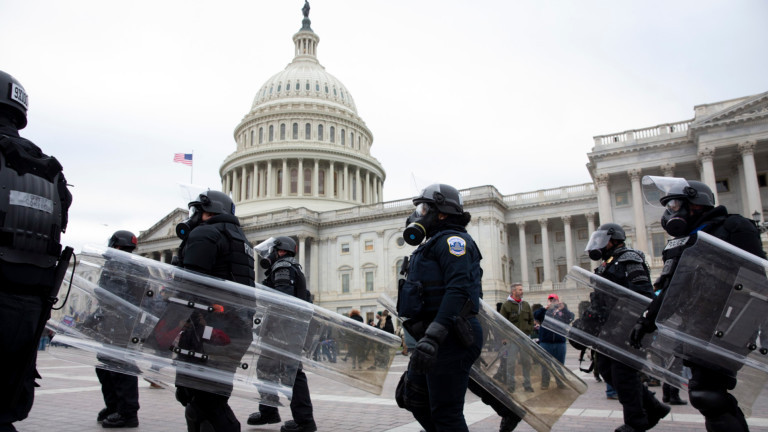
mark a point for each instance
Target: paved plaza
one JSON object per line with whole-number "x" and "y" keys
{"x": 70, "y": 397}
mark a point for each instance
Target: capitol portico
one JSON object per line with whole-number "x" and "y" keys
{"x": 302, "y": 167}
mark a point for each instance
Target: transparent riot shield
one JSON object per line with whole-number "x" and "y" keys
{"x": 347, "y": 351}
{"x": 142, "y": 317}
{"x": 715, "y": 310}
{"x": 509, "y": 362}
{"x": 606, "y": 314}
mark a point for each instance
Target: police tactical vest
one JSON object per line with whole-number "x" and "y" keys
{"x": 422, "y": 292}
{"x": 240, "y": 258}
{"x": 615, "y": 267}
{"x": 283, "y": 277}
{"x": 31, "y": 210}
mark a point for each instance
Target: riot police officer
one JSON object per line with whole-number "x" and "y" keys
{"x": 440, "y": 298}
{"x": 689, "y": 208}
{"x": 121, "y": 391}
{"x": 34, "y": 203}
{"x": 283, "y": 273}
{"x": 626, "y": 267}
{"x": 214, "y": 244}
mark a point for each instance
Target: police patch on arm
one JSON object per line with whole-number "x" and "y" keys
{"x": 457, "y": 246}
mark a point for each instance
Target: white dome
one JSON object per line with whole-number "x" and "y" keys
{"x": 304, "y": 79}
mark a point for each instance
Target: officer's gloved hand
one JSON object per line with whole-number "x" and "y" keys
{"x": 425, "y": 353}
{"x": 641, "y": 328}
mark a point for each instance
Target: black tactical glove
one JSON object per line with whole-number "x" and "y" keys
{"x": 641, "y": 328}
{"x": 425, "y": 353}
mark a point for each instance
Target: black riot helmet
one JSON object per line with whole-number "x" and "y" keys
{"x": 267, "y": 250}
{"x": 445, "y": 198}
{"x": 123, "y": 240}
{"x": 596, "y": 247}
{"x": 13, "y": 99}
{"x": 676, "y": 196}
{"x": 209, "y": 201}
{"x": 434, "y": 199}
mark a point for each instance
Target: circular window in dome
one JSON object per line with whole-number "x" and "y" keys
{"x": 400, "y": 241}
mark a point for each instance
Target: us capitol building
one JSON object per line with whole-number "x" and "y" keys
{"x": 302, "y": 167}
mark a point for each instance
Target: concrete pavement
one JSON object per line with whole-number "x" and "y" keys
{"x": 70, "y": 397}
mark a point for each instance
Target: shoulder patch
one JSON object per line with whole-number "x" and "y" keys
{"x": 632, "y": 255}
{"x": 457, "y": 246}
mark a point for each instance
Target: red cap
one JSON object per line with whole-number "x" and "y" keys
{"x": 553, "y": 296}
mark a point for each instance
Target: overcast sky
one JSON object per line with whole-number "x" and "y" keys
{"x": 470, "y": 93}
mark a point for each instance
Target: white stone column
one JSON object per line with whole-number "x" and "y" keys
{"x": 255, "y": 181}
{"x": 331, "y": 181}
{"x": 641, "y": 234}
{"x": 243, "y": 183}
{"x": 545, "y": 255}
{"x": 224, "y": 183}
{"x": 668, "y": 169}
{"x": 316, "y": 179}
{"x": 523, "y": 253}
{"x": 358, "y": 185}
{"x": 235, "y": 185}
{"x": 706, "y": 156}
{"x": 302, "y": 251}
{"x": 368, "y": 188}
{"x": 285, "y": 179}
{"x": 604, "y": 198}
{"x": 590, "y": 223}
{"x": 346, "y": 182}
{"x": 269, "y": 180}
{"x": 313, "y": 284}
{"x": 300, "y": 179}
{"x": 568, "y": 243}
{"x": 747, "y": 151}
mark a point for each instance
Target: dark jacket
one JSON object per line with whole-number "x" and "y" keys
{"x": 549, "y": 336}
{"x": 519, "y": 314}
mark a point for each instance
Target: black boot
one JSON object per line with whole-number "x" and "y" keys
{"x": 258, "y": 418}
{"x": 674, "y": 397}
{"x": 665, "y": 389}
{"x": 118, "y": 420}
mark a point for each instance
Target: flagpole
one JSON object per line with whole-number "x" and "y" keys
{"x": 192, "y": 167}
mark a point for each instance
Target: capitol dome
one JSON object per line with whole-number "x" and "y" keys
{"x": 302, "y": 144}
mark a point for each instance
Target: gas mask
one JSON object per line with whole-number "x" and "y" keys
{"x": 597, "y": 247}
{"x": 266, "y": 261}
{"x": 675, "y": 218}
{"x": 419, "y": 224}
{"x": 184, "y": 227}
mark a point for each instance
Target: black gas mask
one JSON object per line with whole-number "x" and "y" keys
{"x": 420, "y": 224}
{"x": 676, "y": 219}
{"x": 266, "y": 261}
{"x": 184, "y": 227}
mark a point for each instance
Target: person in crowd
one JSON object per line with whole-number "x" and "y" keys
{"x": 689, "y": 208}
{"x": 626, "y": 267}
{"x": 552, "y": 342}
{"x": 439, "y": 301}
{"x": 519, "y": 313}
{"x": 34, "y": 203}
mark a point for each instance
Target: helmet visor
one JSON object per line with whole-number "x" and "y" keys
{"x": 264, "y": 248}
{"x": 598, "y": 240}
{"x": 658, "y": 190}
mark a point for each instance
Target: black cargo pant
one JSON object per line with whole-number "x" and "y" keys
{"x": 121, "y": 392}
{"x": 301, "y": 404}
{"x": 636, "y": 400}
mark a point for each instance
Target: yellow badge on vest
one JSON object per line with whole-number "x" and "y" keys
{"x": 457, "y": 246}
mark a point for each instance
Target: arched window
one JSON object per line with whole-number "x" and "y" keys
{"x": 332, "y": 133}
{"x": 307, "y": 181}
{"x": 288, "y": 87}
{"x": 319, "y": 132}
{"x": 294, "y": 180}
{"x": 261, "y": 135}
{"x": 321, "y": 182}
{"x": 271, "y": 133}
{"x": 317, "y": 86}
{"x": 251, "y": 137}
{"x": 279, "y": 182}
{"x": 295, "y": 131}
{"x": 343, "y": 137}
{"x": 279, "y": 86}
{"x": 307, "y": 86}
{"x": 352, "y": 139}
{"x": 282, "y": 132}
{"x": 307, "y": 131}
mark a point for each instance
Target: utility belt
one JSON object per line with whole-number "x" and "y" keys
{"x": 462, "y": 328}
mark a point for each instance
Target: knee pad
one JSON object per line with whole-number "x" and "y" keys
{"x": 710, "y": 402}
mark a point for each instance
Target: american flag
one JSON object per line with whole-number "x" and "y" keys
{"x": 185, "y": 158}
